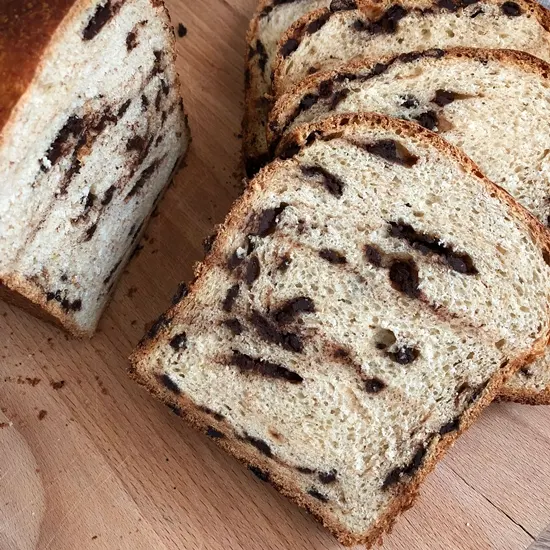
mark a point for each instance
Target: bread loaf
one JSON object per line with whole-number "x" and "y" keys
{"x": 92, "y": 129}
{"x": 360, "y": 306}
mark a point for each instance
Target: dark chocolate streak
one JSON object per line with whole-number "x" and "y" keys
{"x": 168, "y": 383}
{"x": 288, "y": 312}
{"x": 424, "y": 243}
{"x": 270, "y": 333}
{"x": 332, "y": 256}
{"x": 397, "y": 474}
{"x": 101, "y": 17}
{"x": 260, "y": 444}
{"x": 333, "y": 184}
{"x": 404, "y": 277}
{"x": 248, "y": 364}
{"x": 266, "y": 221}
{"x": 230, "y": 298}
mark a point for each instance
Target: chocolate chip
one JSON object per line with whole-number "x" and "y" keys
{"x": 235, "y": 326}
{"x": 158, "y": 325}
{"x": 144, "y": 102}
{"x": 90, "y": 232}
{"x": 213, "y": 433}
{"x": 338, "y": 97}
{"x": 286, "y": 313}
{"x": 168, "y": 383}
{"x": 123, "y": 108}
{"x": 179, "y": 341}
{"x": 404, "y": 277}
{"x": 289, "y": 47}
{"x": 181, "y": 293}
{"x": 511, "y": 9}
{"x": 260, "y": 444}
{"x": 230, "y": 298}
{"x": 450, "y": 427}
{"x": 327, "y": 477}
{"x": 391, "y": 151}
{"x": 332, "y": 183}
{"x": 427, "y": 119}
{"x": 260, "y": 474}
{"x": 73, "y": 127}
{"x": 374, "y": 385}
{"x": 267, "y": 221}
{"x": 100, "y": 18}
{"x": 131, "y": 41}
{"x": 409, "y": 102}
{"x": 332, "y": 256}
{"x": 262, "y": 55}
{"x": 284, "y": 264}
{"x": 405, "y": 355}
{"x": 252, "y": 270}
{"x": 443, "y": 97}
{"x": 325, "y": 89}
{"x": 271, "y": 333}
{"x": 219, "y": 417}
{"x": 316, "y": 494}
{"x": 303, "y": 470}
{"x": 143, "y": 179}
{"x": 108, "y": 195}
{"x": 387, "y": 23}
{"x": 526, "y": 371}
{"x": 182, "y": 30}
{"x": 317, "y": 24}
{"x": 343, "y": 5}
{"x": 457, "y": 261}
{"x": 248, "y": 364}
{"x": 397, "y": 474}
{"x": 373, "y": 255}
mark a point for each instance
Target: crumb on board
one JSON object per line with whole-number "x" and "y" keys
{"x": 182, "y": 30}
{"x": 57, "y": 385}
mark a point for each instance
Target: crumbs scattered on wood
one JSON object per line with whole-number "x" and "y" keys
{"x": 182, "y": 30}
{"x": 4, "y": 425}
{"x": 58, "y": 385}
{"x": 131, "y": 291}
{"x": 42, "y": 414}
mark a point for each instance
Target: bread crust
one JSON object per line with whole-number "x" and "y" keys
{"x": 371, "y": 10}
{"x": 250, "y": 121}
{"x": 286, "y": 483}
{"x": 282, "y": 112}
{"x": 26, "y": 30}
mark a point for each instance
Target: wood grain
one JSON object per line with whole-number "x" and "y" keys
{"x": 106, "y": 467}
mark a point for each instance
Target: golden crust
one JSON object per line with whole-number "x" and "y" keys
{"x": 284, "y": 108}
{"x": 371, "y": 10}
{"x": 282, "y": 479}
{"x": 26, "y": 30}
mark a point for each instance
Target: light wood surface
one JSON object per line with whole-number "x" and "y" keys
{"x": 98, "y": 464}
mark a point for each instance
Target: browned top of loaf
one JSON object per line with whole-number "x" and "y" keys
{"x": 26, "y": 28}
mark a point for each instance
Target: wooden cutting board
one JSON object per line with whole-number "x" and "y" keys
{"x": 90, "y": 461}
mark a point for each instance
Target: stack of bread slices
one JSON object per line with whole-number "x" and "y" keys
{"x": 386, "y": 274}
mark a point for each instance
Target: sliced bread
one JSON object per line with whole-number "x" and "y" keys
{"x": 92, "y": 129}
{"x": 361, "y": 305}
{"x": 271, "y": 20}
{"x": 327, "y": 38}
{"x": 494, "y": 104}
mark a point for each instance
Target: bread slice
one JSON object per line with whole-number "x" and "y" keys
{"x": 361, "y": 305}
{"x": 271, "y": 20}
{"x": 494, "y": 104}
{"x": 327, "y": 38}
{"x": 91, "y": 130}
